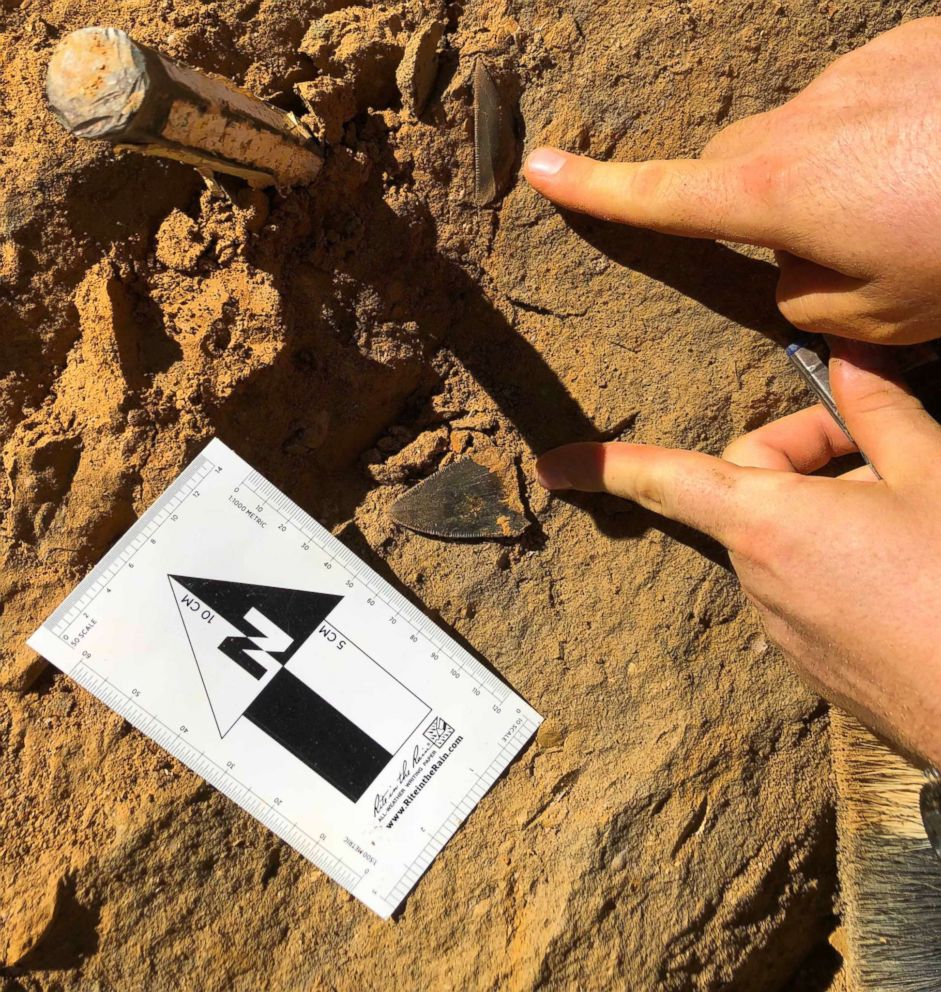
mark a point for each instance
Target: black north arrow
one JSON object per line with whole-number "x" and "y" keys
{"x": 287, "y": 709}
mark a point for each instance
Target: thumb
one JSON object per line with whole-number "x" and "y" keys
{"x": 887, "y": 421}
{"x": 707, "y": 493}
{"x": 691, "y": 197}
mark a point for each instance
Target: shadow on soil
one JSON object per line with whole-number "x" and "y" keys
{"x": 449, "y": 307}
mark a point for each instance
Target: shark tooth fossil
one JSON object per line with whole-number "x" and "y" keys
{"x": 476, "y": 497}
{"x": 494, "y": 138}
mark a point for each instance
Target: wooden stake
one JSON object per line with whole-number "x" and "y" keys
{"x": 103, "y": 85}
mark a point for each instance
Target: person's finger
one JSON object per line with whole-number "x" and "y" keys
{"x": 900, "y": 438}
{"x": 731, "y": 200}
{"x": 698, "y": 490}
{"x": 815, "y": 298}
{"x": 801, "y": 442}
{"x": 864, "y": 473}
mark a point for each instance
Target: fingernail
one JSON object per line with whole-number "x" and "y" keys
{"x": 863, "y": 354}
{"x": 544, "y": 162}
{"x": 551, "y": 478}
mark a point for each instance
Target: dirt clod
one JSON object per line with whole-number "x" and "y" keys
{"x": 179, "y": 242}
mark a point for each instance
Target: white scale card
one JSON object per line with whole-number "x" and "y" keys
{"x": 241, "y": 636}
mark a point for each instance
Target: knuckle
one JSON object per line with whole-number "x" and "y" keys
{"x": 719, "y": 493}
{"x": 651, "y": 493}
{"x": 650, "y": 181}
{"x": 761, "y": 177}
{"x": 737, "y": 451}
{"x": 758, "y": 528}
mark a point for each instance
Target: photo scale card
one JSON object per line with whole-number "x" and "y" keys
{"x": 240, "y": 635}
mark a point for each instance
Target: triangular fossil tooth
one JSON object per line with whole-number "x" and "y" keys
{"x": 477, "y": 497}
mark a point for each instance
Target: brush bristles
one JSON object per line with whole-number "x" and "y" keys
{"x": 890, "y": 876}
{"x": 881, "y": 788}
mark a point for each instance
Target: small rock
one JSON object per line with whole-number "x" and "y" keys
{"x": 11, "y": 263}
{"x": 331, "y": 103}
{"x": 60, "y": 704}
{"x": 20, "y": 670}
{"x": 311, "y": 435}
{"x": 484, "y": 422}
{"x": 839, "y": 942}
{"x": 356, "y": 51}
{"x": 549, "y": 737}
{"x": 416, "y": 73}
{"x": 414, "y": 459}
{"x": 17, "y": 212}
{"x": 563, "y": 35}
{"x": 460, "y": 441}
{"x": 26, "y": 918}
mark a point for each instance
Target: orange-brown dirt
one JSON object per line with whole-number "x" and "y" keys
{"x": 671, "y": 826}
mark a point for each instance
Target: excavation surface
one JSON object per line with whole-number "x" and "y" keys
{"x": 670, "y": 827}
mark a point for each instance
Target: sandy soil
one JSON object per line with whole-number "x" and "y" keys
{"x": 671, "y": 827}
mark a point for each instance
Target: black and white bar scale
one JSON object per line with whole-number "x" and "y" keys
{"x": 237, "y": 633}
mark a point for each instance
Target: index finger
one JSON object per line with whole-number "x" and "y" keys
{"x": 707, "y": 493}
{"x": 727, "y": 199}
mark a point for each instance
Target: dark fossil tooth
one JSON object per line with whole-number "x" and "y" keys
{"x": 494, "y": 138}
{"x": 477, "y": 497}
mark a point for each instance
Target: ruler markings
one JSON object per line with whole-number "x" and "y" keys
{"x": 466, "y": 804}
{"x": 84, "y": 593}
{"x": 223, "y": 780}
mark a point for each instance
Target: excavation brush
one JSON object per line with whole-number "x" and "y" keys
{"x": 103, "y": 85}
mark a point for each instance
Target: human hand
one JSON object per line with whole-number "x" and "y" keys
{"x": 845, "y": 572}
{"x": 843, "y": 181}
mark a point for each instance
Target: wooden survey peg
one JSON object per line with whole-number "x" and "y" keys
{"x": 103, "y": 85}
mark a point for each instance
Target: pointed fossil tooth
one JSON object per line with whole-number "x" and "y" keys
{"x": 494, "y": 138}
{"x": 476, "y": 497}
